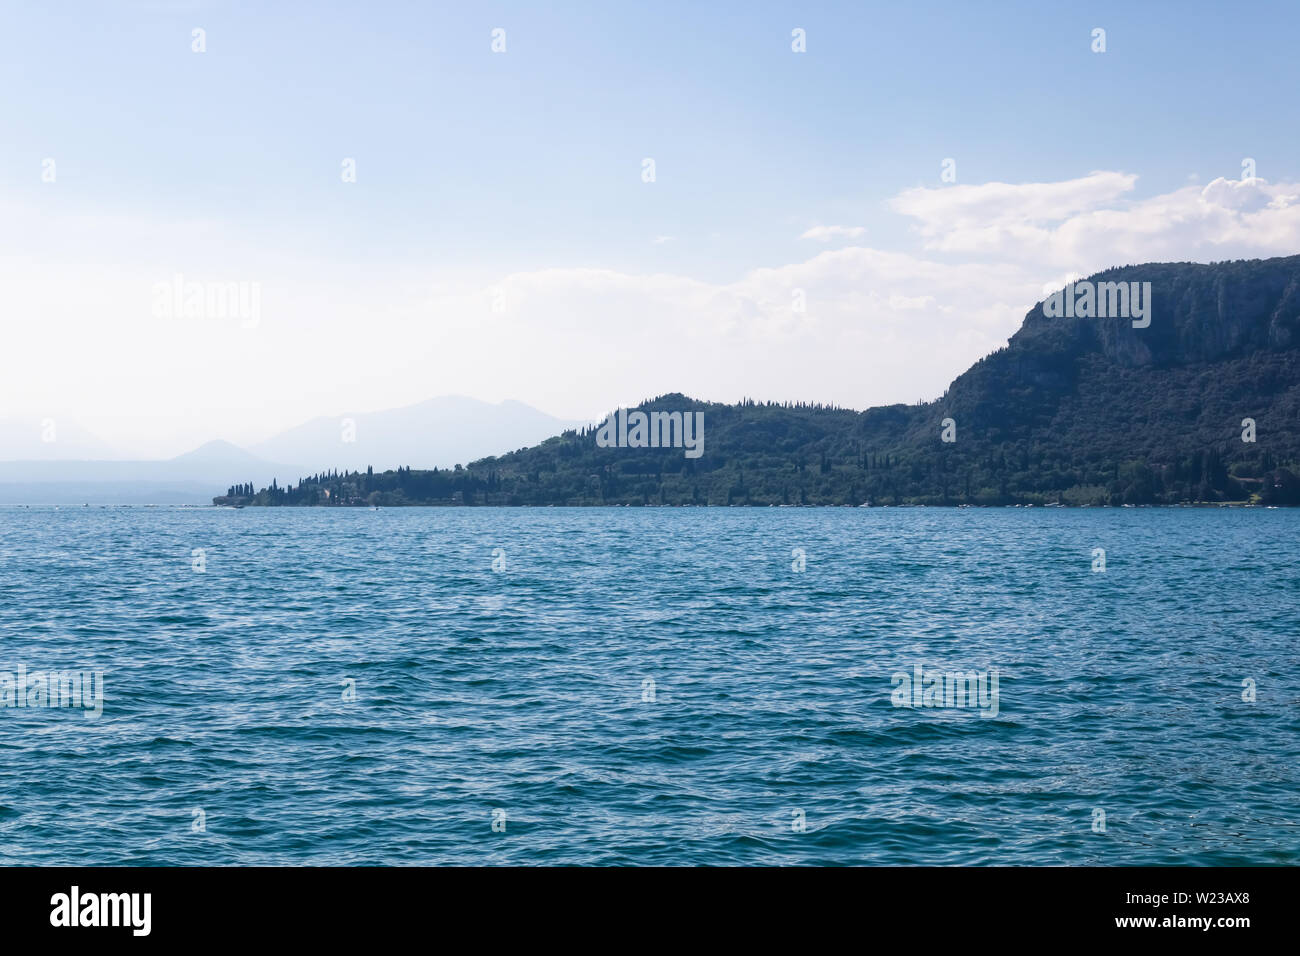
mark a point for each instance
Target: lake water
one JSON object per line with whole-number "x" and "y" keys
{"x": 365, "y": 687}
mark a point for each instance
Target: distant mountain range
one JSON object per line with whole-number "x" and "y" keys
{"x": 185, "y": 479}
{"x": 49, "y": 440}
{"x": 440, "y": 432}
{"x": 76, "y": 467}
{"x": 1200, "y": 404}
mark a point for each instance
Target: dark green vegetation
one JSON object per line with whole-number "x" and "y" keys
{"x": 1075, "y": 410}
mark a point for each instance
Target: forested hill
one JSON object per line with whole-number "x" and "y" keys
{"x": 1078, "y": 410}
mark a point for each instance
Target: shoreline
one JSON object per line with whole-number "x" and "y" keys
{"x": 956, "y": 507}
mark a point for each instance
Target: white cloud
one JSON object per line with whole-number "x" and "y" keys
{"x": 910, "y": 302}
{"x": 1087, "y": 224}
{"x": 879, "y": 326}
{"x": 827, "y": 233}
{"x": 1239, "y": 195}
{"x": 989, "y": 205}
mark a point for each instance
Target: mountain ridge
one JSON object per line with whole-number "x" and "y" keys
{"x": 1074, "y": 411}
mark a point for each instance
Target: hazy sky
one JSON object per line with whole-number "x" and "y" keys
{"x": 500, "y": 240}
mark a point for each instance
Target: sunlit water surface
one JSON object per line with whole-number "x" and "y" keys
{"x": 768, "y": 735}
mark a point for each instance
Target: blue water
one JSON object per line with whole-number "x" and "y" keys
{"x": 522, "y": 690}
